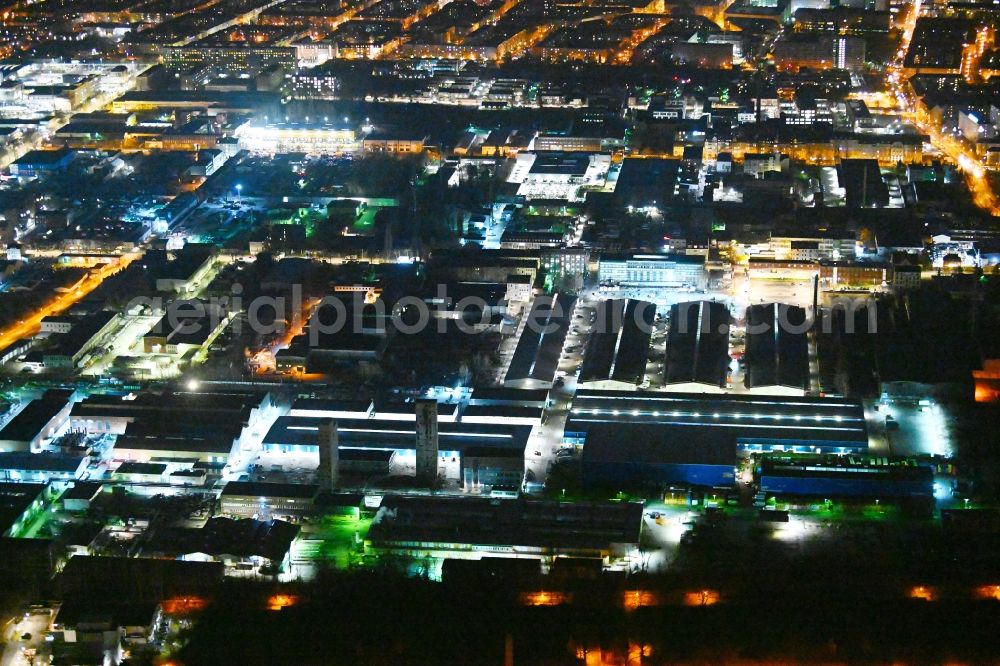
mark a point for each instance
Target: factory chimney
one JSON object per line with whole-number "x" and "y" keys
{"x": 815, "y": 298}
{"x": 329, "y": 454}
{"x": 427, "y": 439}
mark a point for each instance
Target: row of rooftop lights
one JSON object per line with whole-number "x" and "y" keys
{"x": 716, "y": 415}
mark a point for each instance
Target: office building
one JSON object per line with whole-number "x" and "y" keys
{"x": 649, "y": 270}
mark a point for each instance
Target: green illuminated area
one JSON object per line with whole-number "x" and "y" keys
{"x": 366, "y": 221}
{"x": 333, "y": 540}
{"x": 31, "y": 523}
{"x": 304, "y": 216}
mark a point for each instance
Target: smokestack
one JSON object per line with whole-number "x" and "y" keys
{"x": 329, "y": 454}
{"x": 387, "y": 242}
{"x": 760, "y": 111}
{"x": 815, "y": 297}
{"x": 427, "y": 439}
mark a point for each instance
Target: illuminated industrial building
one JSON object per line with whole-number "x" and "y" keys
{"x": 744, "y": 424}
{"x": 472, "y": 528}
{"x": 298, "y": 435}
{"x": 618, "y": 349}
{"x": 298, "y": 137}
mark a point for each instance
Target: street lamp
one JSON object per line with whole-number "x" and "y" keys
{"x": 239, "y": 191}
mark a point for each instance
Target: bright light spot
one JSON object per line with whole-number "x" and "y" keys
{"x": 280, "y": 601}
{"x": 638, "y": 598}
{"x": 793, "y": 530}
{"x": 701, "y": 598}
{"x": 544, "y": 598}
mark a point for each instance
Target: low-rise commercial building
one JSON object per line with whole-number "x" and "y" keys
{"x": 845, "y": 477}
{"x": 855, "y": 274}
{"x": 186, "y": 271}
{"x": 253, "y": 499}
{"x": 394, "y": 142}
{"x": 140, "y": 472}
{"x": 19, "y": 504}
{"x": 41, "y": 467}
{"x": 38, "y": 422}
{"x": 73, "y": 349}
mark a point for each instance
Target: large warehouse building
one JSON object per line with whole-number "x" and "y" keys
{"x": 637, "y": 454}
{"x": 472, "y": 528}
{"x": 536, "y": 357}
{"x": 696, "y": 439}
{"x": 617, "y": 352}
{"x": 777, "y": 350}
{"x": 297, "y": 435}
{"x": 697, "y": 347}
{"x": 850, "y": 476}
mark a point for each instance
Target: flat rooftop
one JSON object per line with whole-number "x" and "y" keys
{"x": 396, "y": 435}
{"x": 40, "y": 462}
{"x": 220, "y": 443}
{"x": 33, "y": 418}
{"x": 486, "y": 522}
{"x": 485, "y": 395}
{"x": 15, "y": 498}
{"x": 132, "y": 467}
{"x": 559, "y": 163}
{"x": 652, "y": 444}
{"x": 742, "y": 419}
{"x": 161, "y": 409}
{"x": 263, "y": 489}
{"x": 82, "y": 490}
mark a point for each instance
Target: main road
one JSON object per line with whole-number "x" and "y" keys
{"x": 62, "y": 302}
{"x": 953, "y": 147}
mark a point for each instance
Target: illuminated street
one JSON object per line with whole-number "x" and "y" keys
{"x": 29, "y": 325}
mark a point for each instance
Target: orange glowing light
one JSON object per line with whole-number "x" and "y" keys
{"x": 183, "y": 605}
{"x": 988, "y": 592}
{"x": 31, "y": 323}
{"x": 701, "y": 598}
{"x": 544, "y": 598}
{"x": 638, "y": 598}
{"x": 279, "y": 602}
{"x": 923, "y": 592}
{"x": 987, "y": 381}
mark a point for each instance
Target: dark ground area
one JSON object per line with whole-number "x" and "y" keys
{"x": 359, "y": 619}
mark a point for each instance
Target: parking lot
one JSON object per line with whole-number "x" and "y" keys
{"x": 24, "y": 636}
